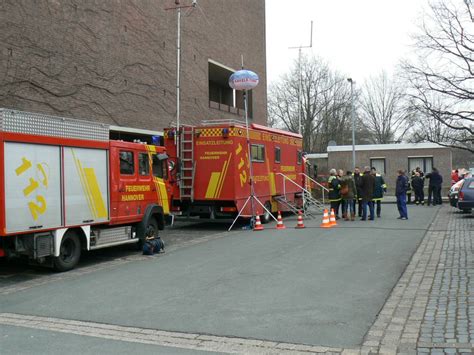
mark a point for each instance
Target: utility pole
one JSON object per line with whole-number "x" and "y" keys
{"x": 352, "y": 82}
{"x": 300, "y": 79}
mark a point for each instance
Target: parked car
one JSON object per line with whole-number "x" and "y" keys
{"x": 466, "y": 195}
{"x": 453, "y": 193}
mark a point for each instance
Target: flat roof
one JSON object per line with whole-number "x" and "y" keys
{"x": 317, "y": 156}
{"x": 394, "y": 146}
{"x": 146, "y": 132}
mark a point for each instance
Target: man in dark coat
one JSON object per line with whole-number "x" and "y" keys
{"x": 334, "y": 194}
{"x": 367, "y": 190}
{"x": 357, "y": 197}
{"x": 401, "y": 187}
{"x": 380, "y": 188}
{"x": 434, "y": 187}
{"x": 418, "y": 185}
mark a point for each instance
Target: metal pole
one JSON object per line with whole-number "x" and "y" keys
{"x": 178, "y": 67}
{"x": 353, "y": 124}
{"x": 299, "y": 91}
{"x": 249, "y": 147}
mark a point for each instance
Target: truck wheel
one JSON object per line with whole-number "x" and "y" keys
{"x": 266, "y": 217}
{"x": 151, "y": 229}
{"x": 69, "y": 252}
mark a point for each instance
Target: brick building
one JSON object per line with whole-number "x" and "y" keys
{"x": 115, "y": 61}
{"x": 387, "y": 159}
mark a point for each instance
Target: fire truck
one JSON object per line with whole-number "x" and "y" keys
{"x": 213, "y": 169}
{"x": 65, "y": 187}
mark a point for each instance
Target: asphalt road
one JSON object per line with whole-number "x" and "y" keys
{"x": 310, "y": 286}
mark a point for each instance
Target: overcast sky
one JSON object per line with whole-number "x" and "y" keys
{"x": 358, "y": 38}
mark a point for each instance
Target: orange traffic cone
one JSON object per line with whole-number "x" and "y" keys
{"x": 300, "y": 223}
{"x": 280, "y": 224}
{"x": 325, "y": 223}
{"x": 258, "y": 225}
{"x": 332, "y": 218}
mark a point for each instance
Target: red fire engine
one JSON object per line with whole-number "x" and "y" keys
{"x": 213, "y": 169}
{"x": 66, "y": 187}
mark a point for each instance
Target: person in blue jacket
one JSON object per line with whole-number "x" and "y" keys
{"x": 401, "y": 187}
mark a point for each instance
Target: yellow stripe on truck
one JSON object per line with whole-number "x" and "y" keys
{"x": 164, "y": 195}
{"x": 95, "y": 193}
{"x": 212, "y": 186}
{"x": 223, "y": 176}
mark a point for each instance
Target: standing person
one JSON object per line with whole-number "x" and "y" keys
{"x": 434, "y": 187}
{"x": 367, "y": 191}
{"x": 340, "y": 174}
{"x": 418, "y": 184}
{"x": 401, "y": 188}
{"x": 410, "y": 188}
{"x": 334, "y": 194}
{"x": 379, "y": 189}
{"x": 418, "y": 170}
{"x": 348, "y": 191}
{"x": 455, "y": 176}
{"x": 357, "y": 197}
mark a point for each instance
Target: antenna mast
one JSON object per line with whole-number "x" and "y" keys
{"x": 178, "y": 8}
{"x": 300, "y": 80}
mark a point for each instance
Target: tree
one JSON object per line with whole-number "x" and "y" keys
{"x": 325, "y": 103}
{"x": 383, "y": 110}
{"x": 442, "y": 76}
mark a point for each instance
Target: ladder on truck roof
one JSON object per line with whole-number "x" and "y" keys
{"x": 186, "y": 156}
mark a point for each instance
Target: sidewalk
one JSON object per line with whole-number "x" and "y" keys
{"x": 431, "y": 309}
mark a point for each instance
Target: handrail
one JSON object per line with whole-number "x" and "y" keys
{"x": 294, "y": 183}
{"x": 317, "y": 183}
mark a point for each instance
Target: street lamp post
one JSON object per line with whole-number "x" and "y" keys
{"x": 353, "y": 122}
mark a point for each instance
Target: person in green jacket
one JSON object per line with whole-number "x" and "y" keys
{"x": 379, "y": 189}
{"x": 334, "y": 194}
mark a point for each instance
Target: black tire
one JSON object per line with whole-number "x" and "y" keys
{"x": 69, "y": 252}
{"x": 266, "y": 217}
{"x": 151, "y": 230}
{"x": 466, "y": 210}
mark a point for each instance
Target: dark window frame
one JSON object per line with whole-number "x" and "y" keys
{"x": 277, "y": 155}
{"x": 123, "y": 161}
{"x": 424, "y": 163}
{"x": 147, "y": 161}
{"x": 260, "y": 158}
{"x": 384, "y": 165}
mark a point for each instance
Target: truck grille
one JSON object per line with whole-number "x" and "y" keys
{"x": 43, "y": 245}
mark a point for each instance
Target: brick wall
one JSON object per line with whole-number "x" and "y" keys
{"x": 115, "y": 61}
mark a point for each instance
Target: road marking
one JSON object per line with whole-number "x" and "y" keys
{"x": 193, "y": 341}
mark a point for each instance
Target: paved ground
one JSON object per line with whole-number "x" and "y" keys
{"x": 312, "y": 286}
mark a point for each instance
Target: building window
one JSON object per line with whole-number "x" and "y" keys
{"x": 222, "y": 96}
{"x": 277, "y": 155}
{"x": 126, "y": 163}
{"x": 299, "y": 157}
{"x": 258, "y": 152}
{"x": 143, "y": 164}
{"x": 424, "y": 163}
{"x": 378, "y": 164}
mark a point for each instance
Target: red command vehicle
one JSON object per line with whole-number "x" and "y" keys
{"x": 65, "y": 187}
{"x": 213, "y": 169}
